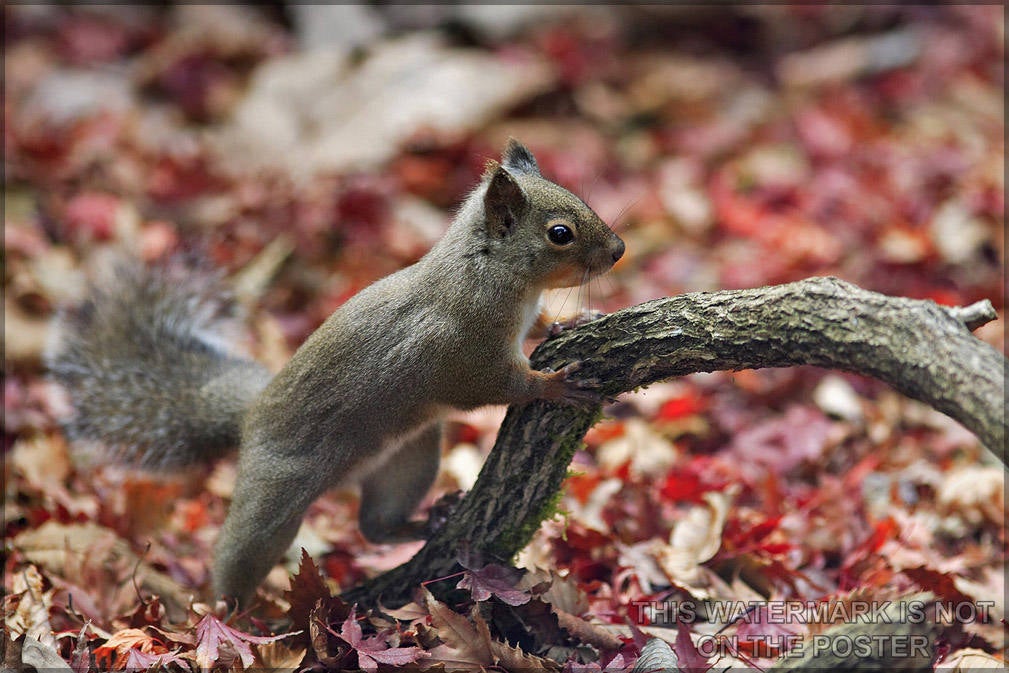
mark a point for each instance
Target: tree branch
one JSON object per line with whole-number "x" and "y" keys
{"x": 924, "y": 350}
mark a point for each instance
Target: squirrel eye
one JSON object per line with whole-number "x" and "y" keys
{"x": 560, "y": 234}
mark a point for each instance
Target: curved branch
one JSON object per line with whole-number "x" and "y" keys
{"x": 924, "y": 350}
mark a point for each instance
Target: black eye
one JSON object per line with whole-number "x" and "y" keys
{"x": 560, "y": 234}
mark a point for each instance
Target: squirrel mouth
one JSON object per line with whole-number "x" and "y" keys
{"x": 573, "y": 276}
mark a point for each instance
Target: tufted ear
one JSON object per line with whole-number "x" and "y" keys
{"x": 503, "y": 204}
{"x": 517, "y": 157}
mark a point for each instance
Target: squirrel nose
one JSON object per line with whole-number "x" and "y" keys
{"x": 618, "y": 250}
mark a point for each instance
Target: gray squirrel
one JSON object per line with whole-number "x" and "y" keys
{"x": 147, "y": 363}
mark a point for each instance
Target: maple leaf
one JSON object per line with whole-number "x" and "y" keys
{"x": 318, "y": 627}
{"x": 691, "y": 661}
{"x": 462, "y": 646}
{"x": 467, "y": 643}
{"x": 308, "y": 587}
{"x": 138, "y": 660}
{"x": 116, "y": 649}
{"x": 942, "y": 584}
{"x": 373, "y": 650}
{"x": 494, "y": 579}
{"x": 211, "y": 633}
{"x": 506, "y": 656}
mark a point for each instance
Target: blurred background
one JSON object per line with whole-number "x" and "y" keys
{"x": 308, "y": 150}
{"x": 731, "y": 146}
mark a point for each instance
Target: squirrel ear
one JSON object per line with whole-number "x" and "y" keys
{"x": 518, "y": 157}
{"x": 503, "y": 204}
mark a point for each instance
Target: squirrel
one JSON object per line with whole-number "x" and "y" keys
{"x": 149, "y": 369}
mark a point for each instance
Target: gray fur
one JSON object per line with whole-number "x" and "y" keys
{"x": 143, "y": 362}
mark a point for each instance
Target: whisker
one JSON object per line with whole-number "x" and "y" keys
{"x": 623, "y": 211}
{"x": 560, "y": 311}
{"x": 610, "y": 286}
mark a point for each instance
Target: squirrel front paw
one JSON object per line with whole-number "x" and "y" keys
{"x": 561, "y": 386}
{"x": 584, "y": 317}
{"x": 441, "y": 511}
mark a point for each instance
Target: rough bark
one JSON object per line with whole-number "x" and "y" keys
{"x": 924, "y": 350}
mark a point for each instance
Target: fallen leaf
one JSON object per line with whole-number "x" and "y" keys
{"x": 115, "y": 652}
{"x": 308, "y": 588}
{"x": 494, "y": 579}
{"x": 277, "y": 655}
{"x": 212, "y": 633}
{"x": 969, "y": 660}
{"x": 461, "y": 645}
{"x": 696, "y": 538}
{"x": 374, "y": 650}
{"x": 690, "y": 660}
{"x": 30, "y": 616}
{"x": 656, "y": 655}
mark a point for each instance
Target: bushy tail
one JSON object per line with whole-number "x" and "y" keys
{"x": 147, "y": 360}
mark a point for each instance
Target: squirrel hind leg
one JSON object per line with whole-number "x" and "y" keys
{"x": 391, "y": 493}
{"x": 262, "y": 522}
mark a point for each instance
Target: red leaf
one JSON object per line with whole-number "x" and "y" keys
{"x": 92, "y": 215}
{"x": 882, "y": 532}
{"x": 373, "y": 650}
{"x": 138, "y": 660}
{"x": 690, "y": 660}
{"x": 494, "y": 579}
{"x": 211, "y": 633}
{"x": 581, "y": 486}
{"x": 680, "y": 407}
{"x": 945, "y": 297}
{"x": 683, "y": 487}
{"x": 941, "y": 583}
{"x": 688, "y": 483}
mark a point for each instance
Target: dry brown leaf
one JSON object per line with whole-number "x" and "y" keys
{"x": 695, "y": 539}
{"x": 117, "y": 648}
{"x": 508, "y": 657}
{"x": 278, "y": 656}
{"x": 976, "y": 492}
{"x": 41, "y": 657}
{"x": 406, "y": 613}
{"x": 586, "y": 632}
{"x": 462, "y": 647}
{"x": 969, "y": 660}
{"x": 648, "y": 452}
{"x": 467, "y": 642}
{"x": 64, "y": 549}
{"x": 24, "y": 334}
{"x": 42, "y": 461}
{"x": 563, "y": 593}
{"x": 31, "y": 614}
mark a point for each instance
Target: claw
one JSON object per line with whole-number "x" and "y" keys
{"x": 564, "y": 388}
{"x": 583, "y": 318}
{"x": 571, "y": 368}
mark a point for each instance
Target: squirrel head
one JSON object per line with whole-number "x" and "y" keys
{"x": 541, "y": 229}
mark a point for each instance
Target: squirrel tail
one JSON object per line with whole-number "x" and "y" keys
{"x": 148, "y": 365}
